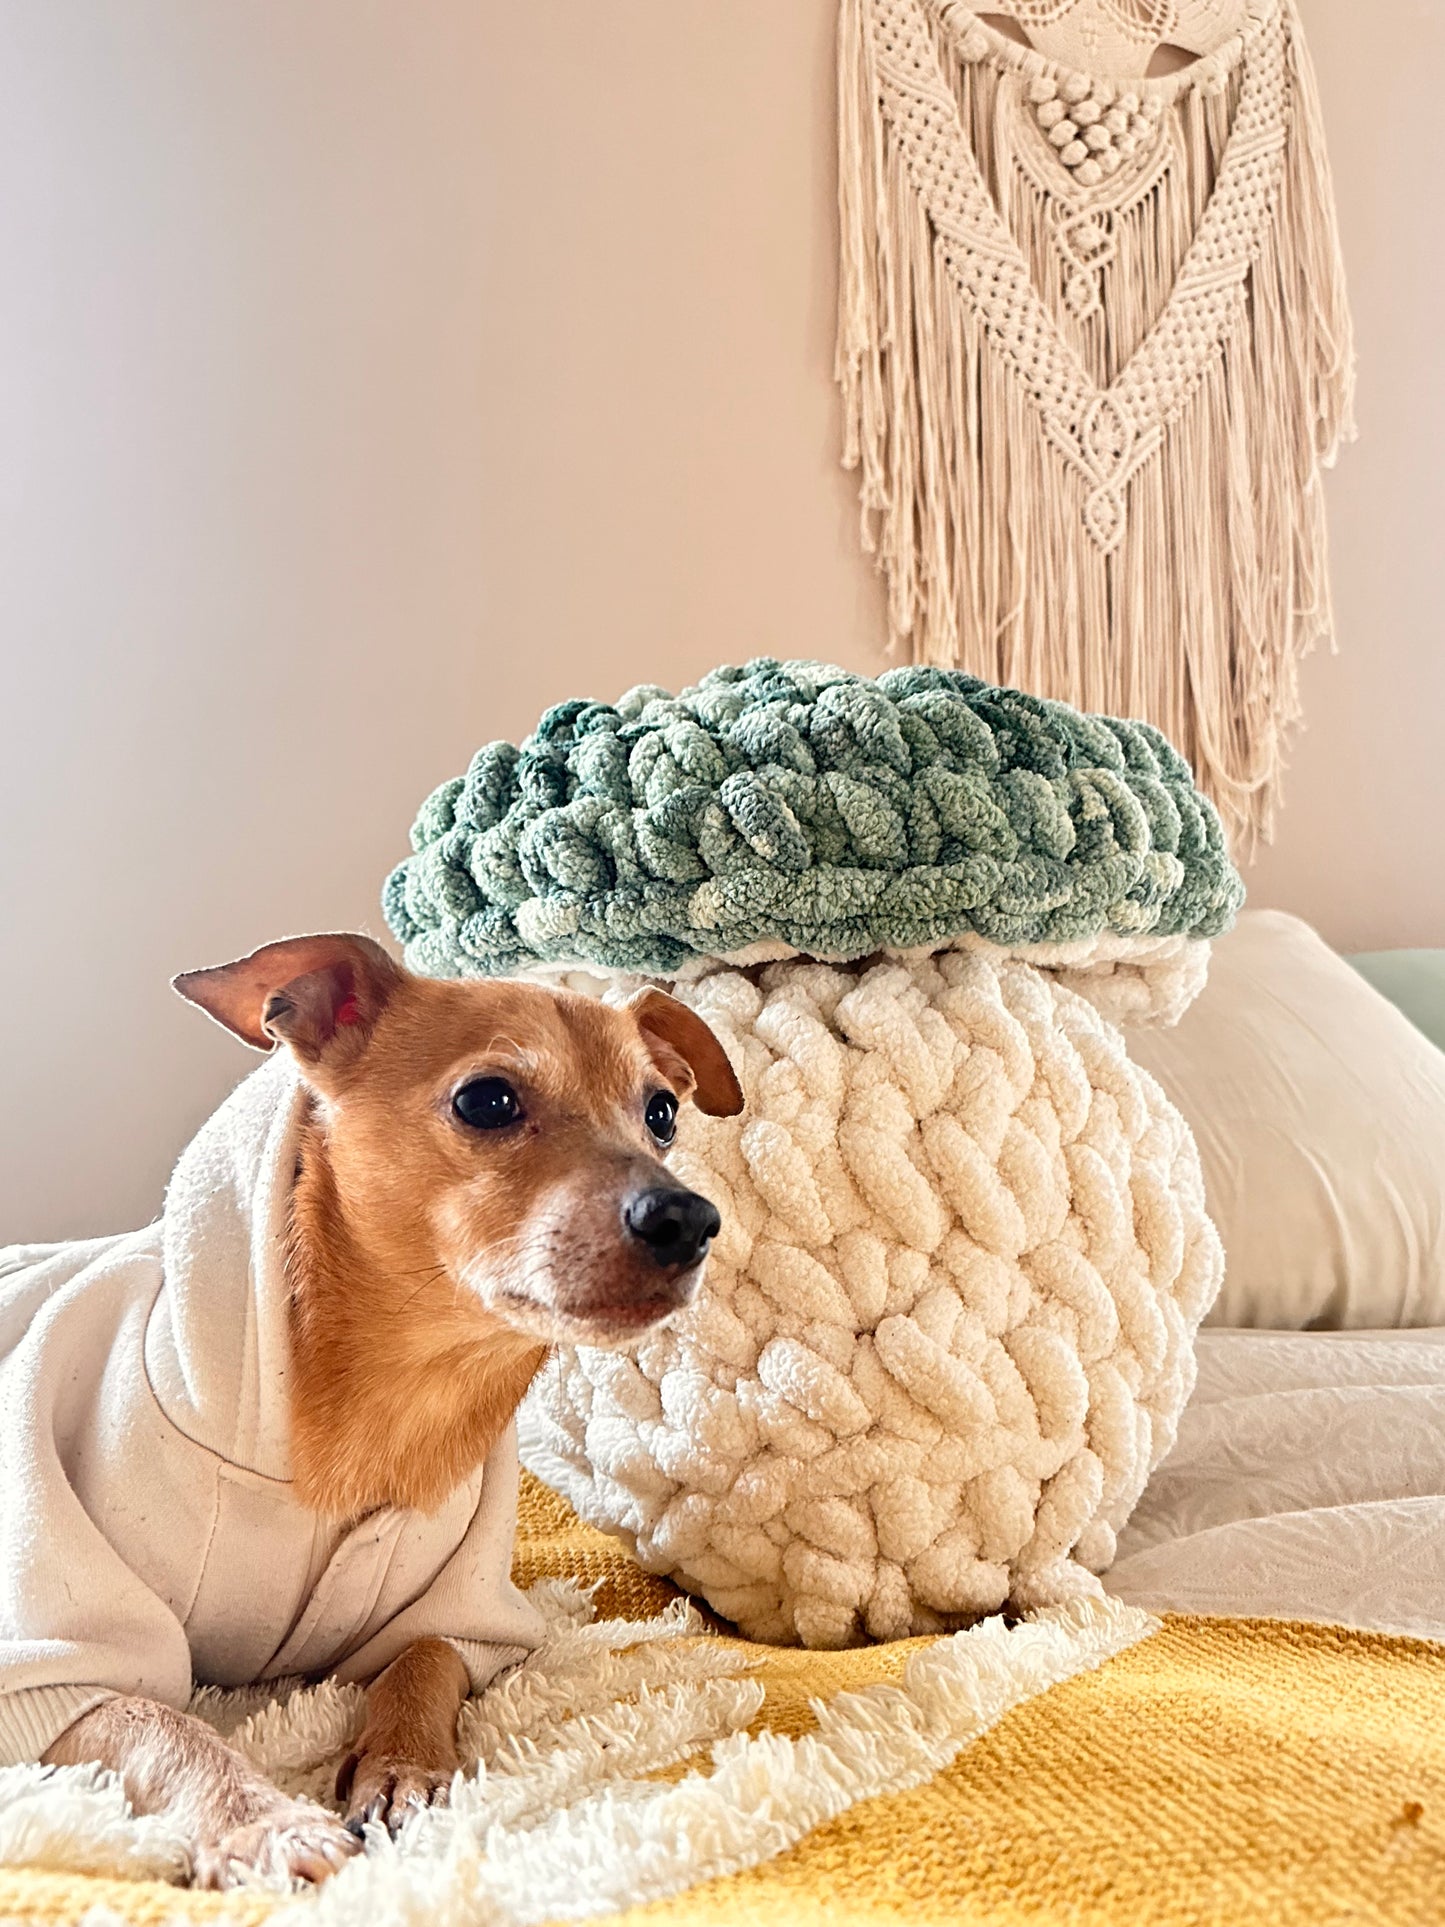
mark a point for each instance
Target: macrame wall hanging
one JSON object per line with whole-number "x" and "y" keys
{"x": 1094, "y": 348}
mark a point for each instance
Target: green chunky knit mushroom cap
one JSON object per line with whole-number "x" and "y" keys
{"x": 797, "y": 806}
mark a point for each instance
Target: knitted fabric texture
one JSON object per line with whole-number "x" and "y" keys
{"x": 946, "y": 1331}
{"x": 792, "y": 807}
{"x": 1094, "y": 349}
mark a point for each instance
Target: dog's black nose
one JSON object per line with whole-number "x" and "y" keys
{"x": 676, "y": 1226}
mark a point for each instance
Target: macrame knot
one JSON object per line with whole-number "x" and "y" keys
{"x": 1093, "y": 129}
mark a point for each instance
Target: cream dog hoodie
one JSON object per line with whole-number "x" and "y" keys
{"x": 149, "y": 1533}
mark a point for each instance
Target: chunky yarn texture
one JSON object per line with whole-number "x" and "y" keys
{"x": 946, "y": 1331}
{"x": 789, "y": 806}
{"x": 947, "y": 1328}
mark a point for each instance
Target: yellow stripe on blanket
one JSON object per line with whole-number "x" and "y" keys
{"x": 1230, "y": 1771}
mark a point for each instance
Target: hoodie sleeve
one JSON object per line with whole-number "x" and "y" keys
{"x": 77, "y": 1626}
{"x": 472, "y": 1602}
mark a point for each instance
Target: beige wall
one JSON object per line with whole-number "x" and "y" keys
{"x": 372, "y": 375}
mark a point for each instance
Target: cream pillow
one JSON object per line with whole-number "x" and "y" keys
{"x": 1320, "y": 1115}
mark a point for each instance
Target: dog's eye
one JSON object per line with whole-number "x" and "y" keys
{"x": 487, "y": 1103}
{"x": 661, "y": 1116}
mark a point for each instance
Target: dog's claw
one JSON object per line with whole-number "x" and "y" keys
{"x": 387, "y": 1792}
{"x": 294, "y": 1838}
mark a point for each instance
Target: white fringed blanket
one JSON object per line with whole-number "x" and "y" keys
{"x": 569, "y": 1806}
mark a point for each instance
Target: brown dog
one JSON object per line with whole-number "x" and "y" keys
{"x": 479, "y": 1177}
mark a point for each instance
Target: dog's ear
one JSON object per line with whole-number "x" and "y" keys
{"x": 307, "y": 992}
{"x": 677, "y": 1036}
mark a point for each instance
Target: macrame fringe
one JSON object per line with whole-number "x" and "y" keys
{"x": 1198, "y": 618}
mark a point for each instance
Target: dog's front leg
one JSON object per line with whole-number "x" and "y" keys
{"x": 234, "y": 1818}
{"x": 407, "y": 1752}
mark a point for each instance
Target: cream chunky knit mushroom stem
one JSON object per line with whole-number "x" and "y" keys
{"x": 947, "y": 1330}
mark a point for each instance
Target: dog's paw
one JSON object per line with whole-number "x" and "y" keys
{"x": 386, "y": 1788}
{"x": 294, "y": 1839}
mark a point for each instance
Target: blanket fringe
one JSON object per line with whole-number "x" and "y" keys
{"x": 562, "y": 1817}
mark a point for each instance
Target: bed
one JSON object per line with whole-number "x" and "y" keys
{"x": 1250, "y": 1727}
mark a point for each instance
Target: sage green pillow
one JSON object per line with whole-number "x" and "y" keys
{"x": 1414, "y": 982}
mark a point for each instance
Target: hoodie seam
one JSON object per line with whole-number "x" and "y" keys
{"x": 218, "y": 1459}
{"x": 205, "y": 1559}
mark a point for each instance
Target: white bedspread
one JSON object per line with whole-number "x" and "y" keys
{"x": 1308, "y": 1482}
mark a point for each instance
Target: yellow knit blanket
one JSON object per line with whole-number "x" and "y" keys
{"x": 1230, "y": 1771}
